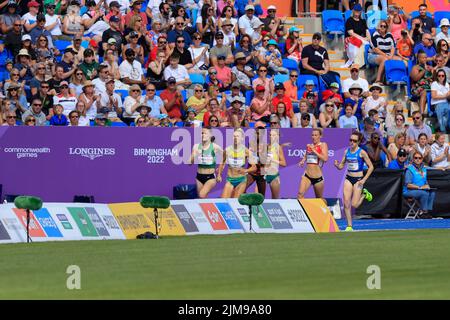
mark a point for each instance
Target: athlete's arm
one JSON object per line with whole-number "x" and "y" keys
{"x": 340, "y": 165}
{"x": 251, "y": 162}
{"x": 282, "y": 160}
{"x": 369, "y": 165}
{"x": 222, "y": 165}
{"x": 324, "y": 155}
{"x": 191, "y": 160}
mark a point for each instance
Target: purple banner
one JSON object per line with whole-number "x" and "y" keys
{"x": 122, "y": 164}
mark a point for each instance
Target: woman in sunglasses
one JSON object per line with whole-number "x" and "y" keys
{"x": 440, "y": 93}
{"x": 391, "y": 122}
{"x": 30, "y": 121}
{"x": 416, "y": 185}
{"x": 315, "y": 156}
{"x": 205, "y": 155}
{"x": 423, "y": 148}
{"x": 355, "y": 157}
{"x": 236, "y": 156}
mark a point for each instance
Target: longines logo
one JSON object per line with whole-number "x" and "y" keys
{"x": 92, "y": 153}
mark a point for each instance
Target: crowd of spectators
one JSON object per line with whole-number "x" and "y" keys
{"x": 216, "y": 63}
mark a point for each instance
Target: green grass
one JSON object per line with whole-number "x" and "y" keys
{"x": 414, "y": 265}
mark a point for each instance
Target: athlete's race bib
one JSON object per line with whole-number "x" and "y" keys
{"x": 237, "y": 163}
{"x": 312, "y": 158}
{"x": 352, "y": 165}
{"x": 206, "y": 160}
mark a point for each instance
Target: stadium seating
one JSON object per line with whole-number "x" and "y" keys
{"x": 302, "y": 80}
{"x": 122, "y": 93}
{"x": 62, "y": 44}
{"x": 282, "y": 48}
{"x": 396, "y": 72}
{"x": 197, "y": 78}
{"x": 333, "y": 23}
{"x": 373, "y": 18}
{"x": 280, "y": 78}
{"x": 290, "y": 64}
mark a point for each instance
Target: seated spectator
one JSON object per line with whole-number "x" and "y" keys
{"x": 440, "y": 154}
{"x": 206, "y": 24}
{"x": 236, "y": 114}
{"x": 221, "y": 97}
{"x": 185, "y": 58}
{"x": 441, "y": 62}
{"x": 36, "y": 113}
{"x": 291, "y": 89}
{"x": 329, "y": 118}
{"x": 30, "y": 121}
{"x": 46, "y": 98}
{"x": 416, "y": 185}
{"x": 133, "y": 43}
{"x": 218, "y": 111}
{"x": 443, "y": 35}
{"x": 315, "y": 61}
{"x": 198, "y": 102}
{"x": 426, "y": 46}
{"x": 144, "y": 113}
{"x": 9, "y": 17}
{"x": 294, "y": 45}
{"x": 178, "y": 72}
{"x": 18, "y": 102}
{"x": 72, "y": 22}
{"x": 405, "y": 46}
{"x": 247, "y": 20}
{"x": 154, "y": 102}
{"x": 274, "y": 25}
{"x": 223, "y": 73}
{"x": 398, "y": 128}
{"x": 228, "y": 13}
{"x": 357, "y": 35}
{"x": 355, "y": 78}
{"x": 179, "y": 30}
{"x": 356, "y": 98}
{"x": 282, "y": 97}
{"x": 368, "y": 130}
{"x": 23, "y": 65}
{"x": 90, "y": 99}
{"x": 305, "y": 109}
{"x": 173, "y": 100}
{"x": 112, "y": 101}
{"x": 401, "y": 160}
{"x": 286, "y": 121}
{"x": 228, "y": 34}
{"x": 417, "y": 128}
{"x": 274, "y": 59}
{"x": 53, "y": 22}
{"x": 241, "y": 72}
{"x": 379, "y": 123}
{"x": 260, "y": 106}
{"x": 65, "y": 98}
{"x": 77, "y": 81}
{"x": 263, "y": 80}
{"x": 73, "y": 118}
{"x": 421, "y": 78}
{"x": 59, "y": 119}
{"x": 214, "y": 122}
{"x": 30, "y": 18}
{"x": 333, "y": 94}
{"x": 245, "y": 46}
{"x": 310, "y": 91}
{"x": 399, "y": 143}
{"x": 100, "y": 120}
{"x": 131, "y": 103}
{"x": 375, "y": 102}
{"x": 235, "y": 92}
{"x": 9, "y": 119}
{"x": 382, "y": 49}
{"x": 440, "y": 93}
{"x": 200, "y": 55}
{"x": 131, "y": 70}
{"x": 374, "y": 149}
{"x": 348, "y": 120}
{"x": 423, "y": 148}
{"x": 427, "y": 23}
{"x": 397, "y": 22}
{"x": 83, "y": 121}
{"x": 220, "y": 50}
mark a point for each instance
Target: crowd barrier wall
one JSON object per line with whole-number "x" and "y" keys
{"x": 80, "y": 221}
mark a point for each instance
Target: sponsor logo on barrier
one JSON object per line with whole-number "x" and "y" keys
{"x": 47, "y": 223}
{"x": 83, "y": 222}
{"x": 97, "y": 222}
{"x": 35, "y": 229}
{"x": 3, "y": 233}
{"x": 261, "y": 218}
{"x": 64, "y": 221}
{"x": 213, "y": 215}
{"x": 27, "y": 152}
{"x": 185, "y": 218}
{"x": 319, "y": 215}
{"x": 155, "y": 155}
{"x": 229, "y": 216}
{"x": 245, "y": 216}
{"x": 111, "y": 222}
{"x": 92, "y": 153}
{"x": 276, "y": 216}
{"x": 297, "y": 215}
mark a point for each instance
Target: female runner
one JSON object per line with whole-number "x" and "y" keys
{"x": 355, "y": 157}
{"x": 275, "y": 159}
{"x": 236, "y": 157}
{"x": 316, "y": 155}
{"x": 258, "y": 150}
{"x": 205, "y": 154}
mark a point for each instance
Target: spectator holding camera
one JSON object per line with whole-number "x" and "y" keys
{"x": 405, "y": 46}
{"x": 427, "y": 23}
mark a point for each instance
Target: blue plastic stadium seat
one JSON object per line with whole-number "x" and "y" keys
{"x": 184, "y": 94}
{"x": 197, "y": 78}
{"x": 62, "y": 44}
{"x": 282, "y": 48}
{"x": 122, "y": 93}
{"x": 248, "y": 97}
{"x": 179, "y": 124}
{"x": 280, "y": 78}
{"x": 333, "y": 22}
{"x": 290, "y": 64}
{"x": 158, "y": 92}
{"x": 396, "y": 72}
{"x": 373, "y": 18}
{"x": 118, "y": 124}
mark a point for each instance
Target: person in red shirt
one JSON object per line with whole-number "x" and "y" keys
{"x": 136, "y": 6}
{"x": 333, "y": 93}
{"x": 223, "y": 73}
{"x": 281, "y": 97}
{"x": 173, "y": 100}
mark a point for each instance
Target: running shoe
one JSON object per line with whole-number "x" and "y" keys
{"x": 348, "y": 229}
{"x": 367, "y": 195}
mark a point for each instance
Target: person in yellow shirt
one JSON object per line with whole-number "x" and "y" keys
{"x": 199, "y": 102}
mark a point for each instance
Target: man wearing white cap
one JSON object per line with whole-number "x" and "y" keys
{"x": 248, "y": 20}
{"x": 271, "y": 22}
{"x": 444, "y": 31}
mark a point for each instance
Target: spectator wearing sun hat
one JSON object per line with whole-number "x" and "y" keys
{"x": 248, "y": 20}
{"x": 274, "y": 59}
{"x": 444, "y": 34}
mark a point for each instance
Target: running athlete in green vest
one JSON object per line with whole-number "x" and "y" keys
{"x": 204, "y": 154}
{"x": 236, "y": 157}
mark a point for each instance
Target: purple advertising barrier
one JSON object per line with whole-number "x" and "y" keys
{"x": 122, "y": 164}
